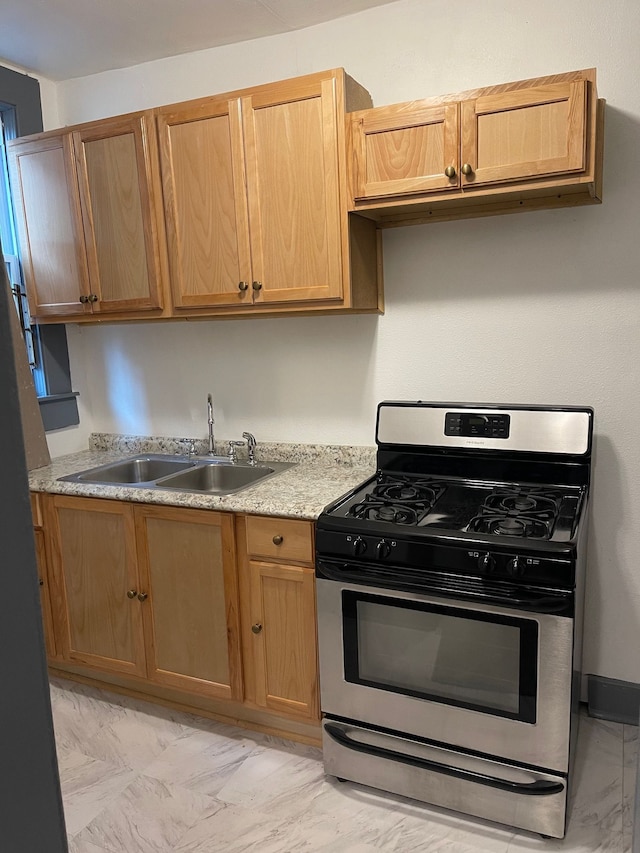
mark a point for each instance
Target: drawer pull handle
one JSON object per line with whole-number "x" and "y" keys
{"x": 256, "y": 628}
{"x": 278, "y": 540}
{"x": 132, "y": 593}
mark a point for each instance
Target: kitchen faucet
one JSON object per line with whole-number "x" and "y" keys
{"x": 210, "y": 421}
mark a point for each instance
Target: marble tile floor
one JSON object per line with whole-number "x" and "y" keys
{"x": 138, "y": 778}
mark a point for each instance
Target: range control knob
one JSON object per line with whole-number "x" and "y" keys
{"x": 383, "y": 549}
{"x": 515, "y": 567}
{"x": 359, "y": 546}
{"x": 486, "y": 563}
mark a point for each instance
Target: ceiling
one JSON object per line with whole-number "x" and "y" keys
{"x": 60, "y": 39}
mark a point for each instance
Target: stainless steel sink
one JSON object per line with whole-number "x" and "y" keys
{"x": 141, "y": 469}
{"x": 158, "y": 471}
{"x": 217, "y": 478}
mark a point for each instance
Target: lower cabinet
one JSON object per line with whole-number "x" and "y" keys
{"x": 188, "y": 605}
{"x": 43, "y": 577}
{"x": 96, "y": 586}
{"x": 148, "y": 592}
{"x": 187, "y": 565}
{"x": 191, "y": 605}
{"x": 282, "y": 615}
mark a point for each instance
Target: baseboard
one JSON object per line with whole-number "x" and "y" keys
{"x": 611, "y": 699}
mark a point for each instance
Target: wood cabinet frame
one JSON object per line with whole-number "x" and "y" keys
{"x": 278, "y": 678}
{"x": 87, "y": 560}
{"x": 253, "y": 697}
{"x": 346, "y": 249}
{"x": 565, "y": 176}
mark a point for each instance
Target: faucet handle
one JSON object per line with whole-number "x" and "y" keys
{"x": 231, "y": 452}
{"x": 191, "y": 447}
{"x": 251, "y": 445}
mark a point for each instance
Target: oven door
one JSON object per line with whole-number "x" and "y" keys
{"x": 474, "y": 675}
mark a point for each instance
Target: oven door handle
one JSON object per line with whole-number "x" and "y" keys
{"x": 536, "y": 603}
{"x": 540, "y": 787}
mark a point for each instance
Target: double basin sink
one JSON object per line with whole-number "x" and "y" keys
{"x": 202, "y": 475}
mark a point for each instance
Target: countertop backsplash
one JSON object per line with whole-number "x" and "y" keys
{"x": 268, "y": 451}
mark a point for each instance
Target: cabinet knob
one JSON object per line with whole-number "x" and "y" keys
{"x": 84, "y": 299}
{"x": 450, "y": 171}
{"x": 257, "y": 285}
{"x": 466, "y": 169}
{"x": 243, "y": 285}
{"x": 142, "y": 596}
{"x": 132, "y": 593}
{"x": 256, "y": 628}
{"x": 40, "y": 581}
{"x": 278, "y": 540}
{"x": 92, "y": 297}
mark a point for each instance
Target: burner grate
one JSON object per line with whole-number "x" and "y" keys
{"x": 525, "y": 513}
{"x": 399, "y": 500}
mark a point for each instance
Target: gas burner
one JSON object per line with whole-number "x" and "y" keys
{"x": 407, "y": 490}
{"x": 376, "y": 510}
{"x": 525, "y": 513}
{"x": 398, "y": 500}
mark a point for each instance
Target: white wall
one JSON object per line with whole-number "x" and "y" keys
{"x": 535, "y": 308}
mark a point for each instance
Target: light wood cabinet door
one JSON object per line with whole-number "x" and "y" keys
{"x": 404, "y": 149}
{"x": 45, "y": 600}
{"x": 116, "y": 181}
{"x": 291, "y": 149}
{"x": 47, "y": 205}
{"x": 96, "y": 583}
{"x": 188, "y": 570}
{"x": 206, "y": 215}
{"x": 283, "y": 624}
{"x": 532, "y": 132}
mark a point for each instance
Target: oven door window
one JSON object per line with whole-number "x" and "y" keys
{"x": 482, "y": 661}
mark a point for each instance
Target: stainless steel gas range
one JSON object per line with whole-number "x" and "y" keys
{"x": 450, "y": 589}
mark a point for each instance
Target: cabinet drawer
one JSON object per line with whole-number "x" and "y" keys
{"x": 280, "y": 539}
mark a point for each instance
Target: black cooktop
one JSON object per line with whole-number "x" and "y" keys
{"x": 521, "y": 510}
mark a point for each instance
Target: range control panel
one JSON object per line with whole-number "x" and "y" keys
{"x": 524, "y": 567}
{"x": 470, "y": 425}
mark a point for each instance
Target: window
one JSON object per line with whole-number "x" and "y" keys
{"x": 21, "y": 114}
{"x": 10, "y": 245}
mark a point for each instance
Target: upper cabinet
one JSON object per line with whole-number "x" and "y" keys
{"x": 47, "y": 207}
{"x": 88, "y": 219}
{"x": 270, "y": 200}
{"x": 296, "y": 219}
{"x": 535, "y": 143}
{"x": 255, "y": 209}
{"x": 115, "y": 160}
{"x": 404, "y": 149}
{"x": 533, "y": 132}
{"x": 205, "y": 203}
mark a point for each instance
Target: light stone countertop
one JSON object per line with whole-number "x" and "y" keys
{"x": 321, "y": 474}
